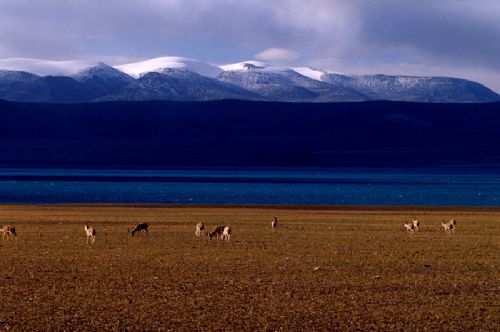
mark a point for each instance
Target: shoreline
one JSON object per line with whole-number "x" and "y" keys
{"x": 383, "y": 208}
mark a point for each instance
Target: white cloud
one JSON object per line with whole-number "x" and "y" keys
{"x": 277, "y": 54}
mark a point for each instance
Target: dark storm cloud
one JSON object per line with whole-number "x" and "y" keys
{"x": 452, "y": 37}
{"x": 464, "y": 33}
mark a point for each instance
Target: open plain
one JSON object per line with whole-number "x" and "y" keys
{"x": 324, "y": 269}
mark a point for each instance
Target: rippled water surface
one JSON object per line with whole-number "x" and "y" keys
{"x": 468, "y": 187}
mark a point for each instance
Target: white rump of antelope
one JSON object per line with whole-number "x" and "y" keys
{"x": 139, "y": 227}
{"x": 222, "y": 232}
{"x": 8, "y": 230}
{"x": 450, "y": 226}
{"x": 200, "y": 229}
{"x": 416, "y": 224}
{"x": 90, "y": 232}
{"x": 274, "y": 224}
{"x": 226, "y": 233}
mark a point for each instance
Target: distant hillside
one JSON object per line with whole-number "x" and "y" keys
{"x": 248, "y": 133}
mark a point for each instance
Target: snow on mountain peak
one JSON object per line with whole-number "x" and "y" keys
{"x": 253, "y": 65}
{"x": 46, "y": 67}
{"x": 136, "y": 69}
{"x": 315, "y": 74}
{"x": 245, "y": 65}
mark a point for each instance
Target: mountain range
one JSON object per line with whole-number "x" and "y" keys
{"x": 184, "y": 79}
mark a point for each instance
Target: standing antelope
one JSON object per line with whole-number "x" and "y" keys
{"x": 226, "y": 233}
{"x": 138, "y": 228}
{"x": 450, "y": 226}
{"x": 274, "y": 224}
{"x": 200, "y": 229}
{"x": 8, "y": 230}
{"x": 90, "y": 231}
{"x": 416, "y": 223}
{"x": 217, "y": 231}
{"x": 409, "y": 227}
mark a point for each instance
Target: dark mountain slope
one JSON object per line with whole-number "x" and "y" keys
{"x": 244, "y": 133}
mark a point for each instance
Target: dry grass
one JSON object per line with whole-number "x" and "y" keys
{"x": 322, "y": 270}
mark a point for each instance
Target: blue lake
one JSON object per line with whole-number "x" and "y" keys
{"x": 440, "y": 186}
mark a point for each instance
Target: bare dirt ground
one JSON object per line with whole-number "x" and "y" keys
{"x": 323, "y": 270}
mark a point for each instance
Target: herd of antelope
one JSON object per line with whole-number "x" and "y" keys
{"x": 220, "y": 232}
{"x": 449, "y": 227}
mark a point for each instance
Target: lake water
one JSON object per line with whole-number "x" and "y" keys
{"x": 451, "y": 187}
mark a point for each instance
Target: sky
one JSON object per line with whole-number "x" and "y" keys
{"x": 458, "y": 38}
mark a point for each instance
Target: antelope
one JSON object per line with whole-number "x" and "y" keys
{"x": 200, "y": 229}
{"x": 138, "y": 228}
{"x": 8, "y": 230}
{"x": 416, "y": 223}
{"x": 274, "y": 224}
{"x": 90, "y": 231}
{"x": 409, "y": 228}
{"x": 226, "y": 233}
{"x": 448, "y": 227}
{"x": 217, "y": 231}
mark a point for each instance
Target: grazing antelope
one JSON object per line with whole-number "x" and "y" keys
{"x": 274, "y": 224}
{"x": 200, "y": 229}
{"x": 138, "y": 228}
{"x": 90, "y": 231}
{"x": 226, "y": 233}
{"x": 416, "y": 223}
{"x": 8, "y": 230}
{"x": 217, "y": 231}
{"x": 409, "y": 227}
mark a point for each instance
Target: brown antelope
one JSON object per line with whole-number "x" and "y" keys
{"x": 8, "y": 230}
{"x": 90, "y": 231}
{"x": 200, "y": 229}
{"x": 217, "y": 231}
{"x": 274, "y": 224}
{"x": 138, "y": 228}
{"x": 450, "y": 226}
{"x": 416, "y": 224}
{"x": 226, "y": 233}
{"x": 409, "y": 227}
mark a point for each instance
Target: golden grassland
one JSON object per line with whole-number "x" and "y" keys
{"x": 324, "y": 269}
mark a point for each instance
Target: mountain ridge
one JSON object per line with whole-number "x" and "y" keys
{"x": 191, "y": 80}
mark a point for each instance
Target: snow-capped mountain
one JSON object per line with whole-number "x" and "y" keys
{"x": 284, "y": 84}
{"x": 185, "y": 79}
{"x": 58, "y": 81}
{"x": 411, "y": 88}
{"x": 181, "y": 84}
{"x": 103, "y": 80}
{"x": 46, "y": 67}
{"x": 136, "y": 69}
{"x": 269, "y": 84}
